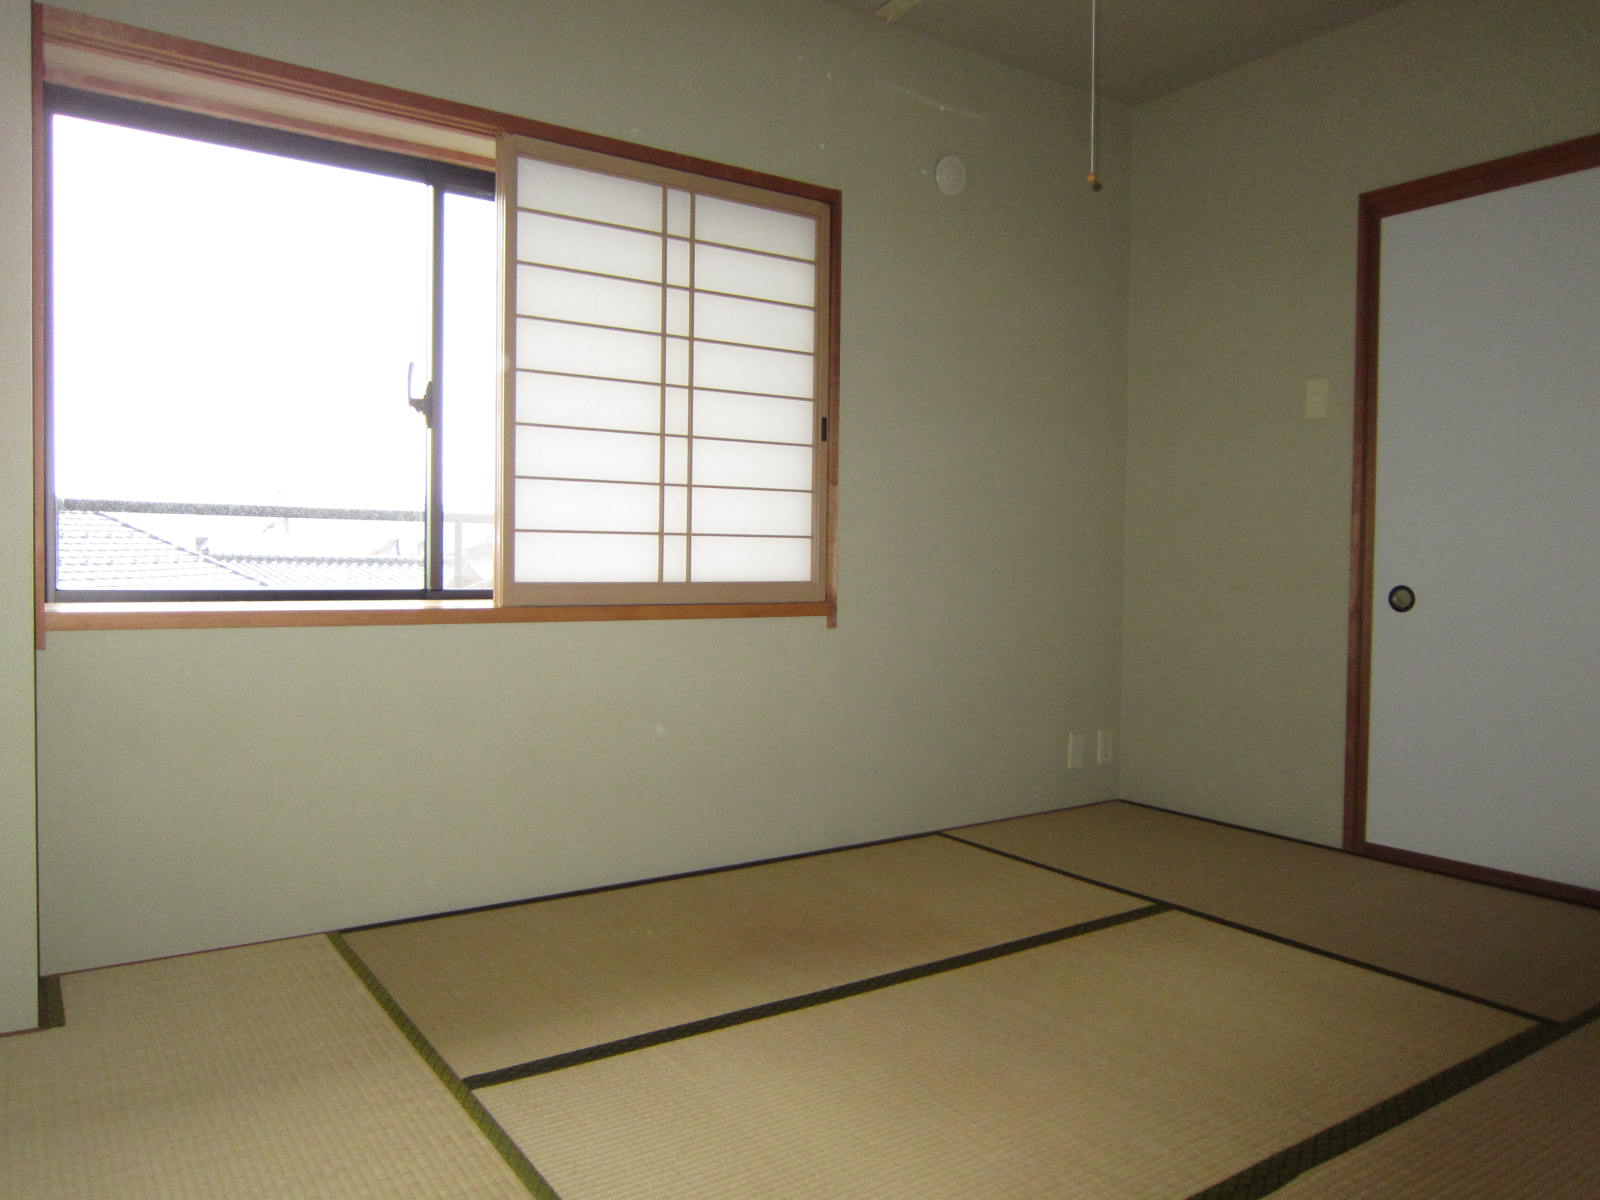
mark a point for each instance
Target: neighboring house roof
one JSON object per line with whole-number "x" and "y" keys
{"x": 96, "y": 551}
{"x": 305, "y": 573}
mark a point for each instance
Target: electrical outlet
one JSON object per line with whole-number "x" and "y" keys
{"x": 1104, "y": 746}
{"x": 1075, "y": 742}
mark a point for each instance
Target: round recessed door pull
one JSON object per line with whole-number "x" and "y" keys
{"x": 1402, "y": 598}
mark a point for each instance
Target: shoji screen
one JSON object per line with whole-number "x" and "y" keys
{"x": 666, "y": 378}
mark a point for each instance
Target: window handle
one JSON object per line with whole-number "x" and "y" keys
{"x": 423, "y": 403}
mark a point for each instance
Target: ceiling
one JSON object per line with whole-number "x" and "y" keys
{"x": 1147, "y": 47}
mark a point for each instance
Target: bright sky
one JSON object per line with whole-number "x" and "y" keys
{"x": 235, "y": 327}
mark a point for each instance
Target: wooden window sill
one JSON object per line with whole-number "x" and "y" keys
{"x": 285, "y": 613}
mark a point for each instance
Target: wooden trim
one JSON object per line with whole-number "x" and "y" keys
{"x": 113, "y": 38}
{"x": 830, "y": 402}
{"x": 652, "y": 594}
{"x": 1552, "y": 888}
{"x": 1407, "y": 858}
{"x": 289, "y": 613}
{"x": 1514, "y": 170}
{"x": 506, "y": 399}
{"x": 263, "y": 115}
{"x": 1362, "y": 510}
{"x": 42, "y": 524}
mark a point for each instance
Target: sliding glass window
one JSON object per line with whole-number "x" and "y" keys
{"x": 272, "y": 362}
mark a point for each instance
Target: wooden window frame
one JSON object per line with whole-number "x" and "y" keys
{"x": 95, "y": 54}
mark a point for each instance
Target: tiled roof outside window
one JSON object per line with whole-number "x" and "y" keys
{"x": 97, "y": 551}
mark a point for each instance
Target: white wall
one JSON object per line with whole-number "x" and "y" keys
{"x": 1242, "y": 289}
{"x": 200, "y": 788}
{"x": 18, "y": 937}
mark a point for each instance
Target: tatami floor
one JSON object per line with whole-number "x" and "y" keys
{"x": 1104, "y": 1002}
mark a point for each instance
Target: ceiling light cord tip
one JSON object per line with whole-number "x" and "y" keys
{"x": 1094, "y": 93}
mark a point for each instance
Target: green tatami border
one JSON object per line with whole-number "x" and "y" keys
{"x": 1272, "y": 1172}
{"x": 789, "y": 1004}
{"x": 1257, "y": 931}
{"x": 508, "y": 1150}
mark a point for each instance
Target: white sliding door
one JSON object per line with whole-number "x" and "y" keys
{"x": 1484, "y": 733}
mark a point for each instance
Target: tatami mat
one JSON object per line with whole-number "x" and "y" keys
{"x": 1530, "y": 1133}
{"x": 1147, "y": 1060}
{"x": 1537, "y": 955}
{"x": 506, "y": 986}
{"x": 265, "y": 1071}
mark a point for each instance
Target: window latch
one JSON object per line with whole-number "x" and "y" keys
{"x": 423, "y": 403}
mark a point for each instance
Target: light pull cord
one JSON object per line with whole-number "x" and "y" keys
{"x": 1094, "y": 91}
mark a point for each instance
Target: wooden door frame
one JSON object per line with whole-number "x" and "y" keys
{"x": 1515, "y": 170}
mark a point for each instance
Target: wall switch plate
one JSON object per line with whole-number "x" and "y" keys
{"x": 1316, "y": 399}
{"x": 1104, "y": 746}
{"x": 1075, "y": 743}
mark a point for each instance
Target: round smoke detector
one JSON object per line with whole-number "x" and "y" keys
{"x": 950, "y": 175}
